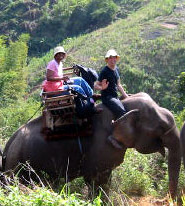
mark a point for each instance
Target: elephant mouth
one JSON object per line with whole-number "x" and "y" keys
{"x": 116, "y": 144}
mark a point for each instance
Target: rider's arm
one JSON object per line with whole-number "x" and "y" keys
{"x": 97, "y": 85}
{"x": 121, "y": 89}
{"x": 51, "y": 77}
{"x": 101, "y": 85}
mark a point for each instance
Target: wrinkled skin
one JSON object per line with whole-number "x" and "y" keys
{"x": 149, "y": 129}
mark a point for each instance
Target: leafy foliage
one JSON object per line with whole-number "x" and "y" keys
{"x": 41, "y": 196}
{"x": 101, "y": 12}
{"x": 152, "y": 57}
{"x": 180, "y": 84}
{"x": 16, "y": 114}
{"x": 49, "y": 22}
{"x": 143, "y": 174}
{"x": 14, "y": 110}
{"x": 13, "y": 73}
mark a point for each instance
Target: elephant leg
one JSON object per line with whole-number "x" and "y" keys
{"x": 99, "y": 184}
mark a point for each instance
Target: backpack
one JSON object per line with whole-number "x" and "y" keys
{"x": 90, "y": 75}
{"x": 84, "y": 105}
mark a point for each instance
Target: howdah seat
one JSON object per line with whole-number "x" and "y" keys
{"x": 59, "y": 110}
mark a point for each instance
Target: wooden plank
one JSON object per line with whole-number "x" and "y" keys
{"x": 59, "y": 103}
{"x": 68, "y": 73}
{"x": 51, "y": 104}
{"x": 61, "y": 108}
{"x": 59, "y": 99}
{"x": 55, "y": 93}
{"x": 68, "y": 68}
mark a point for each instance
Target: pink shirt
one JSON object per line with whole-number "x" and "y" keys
{"x": 56, "y": 68}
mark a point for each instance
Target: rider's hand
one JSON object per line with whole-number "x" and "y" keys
{"x": 65, "y": 78}
{"x": 104, "y": 84}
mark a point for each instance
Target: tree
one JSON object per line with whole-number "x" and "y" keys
{"x": 180, "y": 85}
{"x": 14, "y": 72}
{"x": 101, "y": 13}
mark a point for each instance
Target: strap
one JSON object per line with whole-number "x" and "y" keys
{"x": 77, "y": 133}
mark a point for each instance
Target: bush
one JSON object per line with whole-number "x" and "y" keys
{"x": 141, "y": 175}
{"x": 15, "y": 115}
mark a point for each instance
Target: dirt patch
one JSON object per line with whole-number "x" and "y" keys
{"x": 169, "y": 25}
{"x": 150, "y": 201}
{"x": 165, "y": 25}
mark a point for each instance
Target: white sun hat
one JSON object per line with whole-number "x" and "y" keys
{"x": 112, "y": 53}
{"x": 59, "y": 49}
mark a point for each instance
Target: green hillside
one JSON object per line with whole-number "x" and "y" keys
{"x": 151, "y": 45}
{"x": 49, "y": 22}
{"x": 149, "y": 35}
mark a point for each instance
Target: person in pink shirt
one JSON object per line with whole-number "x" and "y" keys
{"x": 55, "y": 77}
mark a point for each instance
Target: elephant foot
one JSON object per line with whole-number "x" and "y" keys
{"x": 115, "y": 143}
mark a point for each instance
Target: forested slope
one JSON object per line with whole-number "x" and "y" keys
{"x": 49, "y": 22}
{"x": 151, "y": 44}
{"x": 150, "y": 38}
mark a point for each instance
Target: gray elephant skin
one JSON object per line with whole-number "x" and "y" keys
{"x": 148, "y": 128}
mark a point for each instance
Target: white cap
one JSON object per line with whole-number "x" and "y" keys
{"x": 112, "y": 53}
{"x": 59, "y": 49}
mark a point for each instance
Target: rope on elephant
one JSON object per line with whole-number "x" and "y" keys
{"x": 168, "y": 131}
{"x": 34, "y": 113}
{"x": 24, "y": 126}
{"x": 77, "y": 132}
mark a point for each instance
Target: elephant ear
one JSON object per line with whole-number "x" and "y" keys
{"x": 130, "y": 116}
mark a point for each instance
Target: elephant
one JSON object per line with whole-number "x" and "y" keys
{"x": 146, "y": 127}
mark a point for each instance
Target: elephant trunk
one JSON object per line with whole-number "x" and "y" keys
{"x": 174, "y": 161}
{"x": 171, "y": 140}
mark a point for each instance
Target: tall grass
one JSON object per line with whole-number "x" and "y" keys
{"x": 139, "y": 176}
{"x": 21, "y": 196}
{"x": 151, "y": 58}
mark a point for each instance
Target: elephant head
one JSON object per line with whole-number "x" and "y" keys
{"x": 150, "y": 128}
